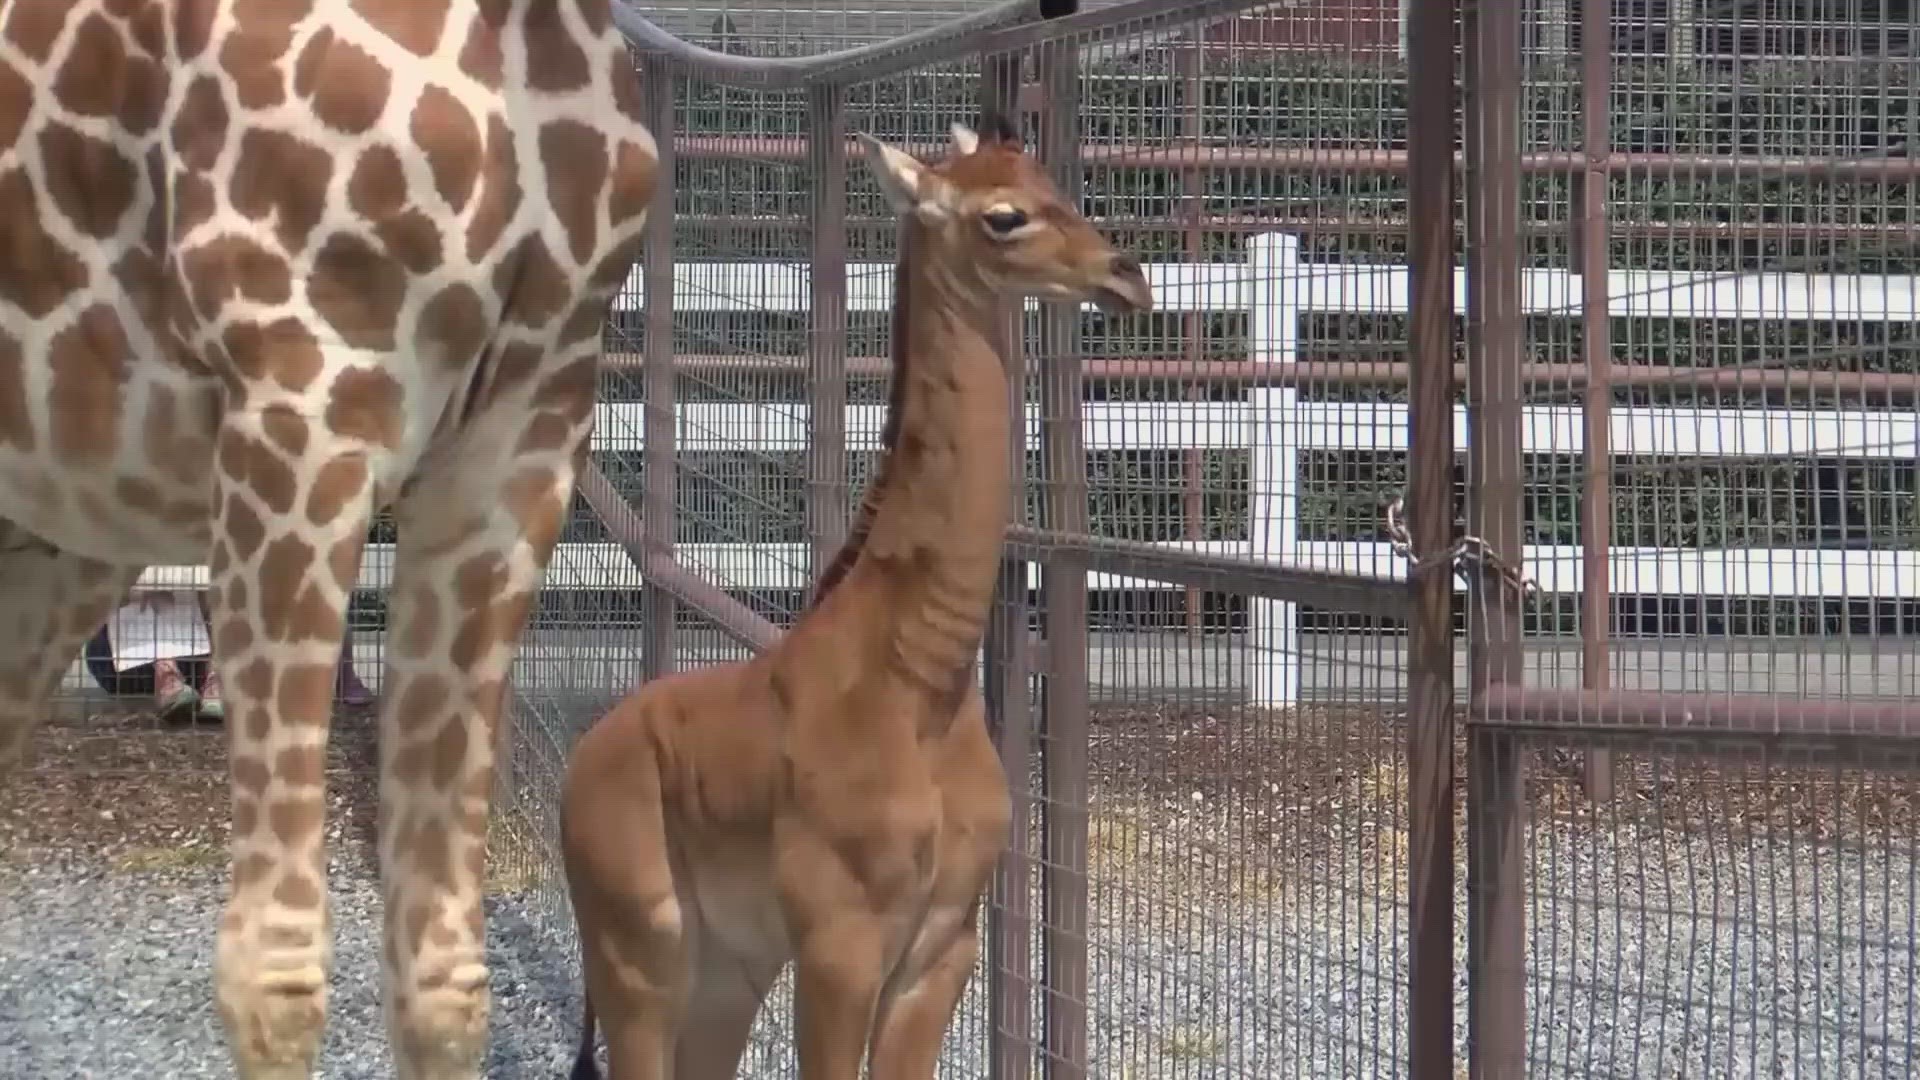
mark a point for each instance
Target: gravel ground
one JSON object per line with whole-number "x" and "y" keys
{"x": 120, "y": 985}
{"x": 1244, "y": 920}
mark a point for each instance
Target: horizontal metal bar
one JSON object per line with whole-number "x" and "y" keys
{"x": 948, "y": 40}
{"x": 1205, "y": 158}
{"x": 1567, "y": 714}
{"x": 1322, "y": 226}
{"x": 624, "y": 524}
{"x": 1330, "y": 590}
{"x": 1342, "y": 373}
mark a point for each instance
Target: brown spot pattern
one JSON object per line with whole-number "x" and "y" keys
{"x": 286, "y": 429}
{"x": 200, "y": 126}
{"x": 16, "y": 98}
{"x": 297, "y": 890}
{"x": 36, "y": 272}
{"x": 453, "y": 325}
{"x": 230, "y": 266}
{"x": 16, "y": 422}
{"x": 480, "y": 57}
{"x": 545, "y": 433}
{"x": 636, "y": 173}
{"x": 343, "y": 85}
{"x": 306, "y": 692}
{"x": 35, "y": 26}
{"x": 251, "y": 54}
{"x": 86, "y": 84}
{"x": 337, "y": 483}
{"x": 415, "y": 25}
{"x": 193, "y": 204}
{"x": 422, "y": 626}
{"x": 555, "y": 61}
{"x": 243, "y": 528}
{"x": 378, "y": 186}
{"x": 500, "y": 192}
{"x": 294, "y": 821}
{"x": 89, "y": 367}
{"x": 358, "y": 291}
{"x": 574, "y": 157}
{"x": 283, "y": 568}
{"x": 193, "y": 26}
{"x": 365, "y": 403}
{"x": 423, "y": 701}
{"x": 281, "y": 174}
{"x": 532, "y": 282}
{"x": 246, "y": 460}
{"x": 445, "y": 131}
{"x": 144, "y": 99}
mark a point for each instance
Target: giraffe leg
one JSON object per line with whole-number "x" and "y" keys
{"x": 914, "y": 1013}
{"x": 726, "y": 996}
{"x": 475, "y": 534}
{"x": 294, "y": 502}
{"x": 51, "y": 602}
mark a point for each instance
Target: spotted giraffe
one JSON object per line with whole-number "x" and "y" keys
{"x": 266, "y": 268}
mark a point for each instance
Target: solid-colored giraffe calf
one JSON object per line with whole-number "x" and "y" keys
{"x": 267, "y": 267}
{"x": 836, "y": 802}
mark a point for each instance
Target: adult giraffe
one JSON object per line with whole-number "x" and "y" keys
{"x": 266, "y": 267}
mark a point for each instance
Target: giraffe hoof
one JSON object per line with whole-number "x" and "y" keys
{"x": 275, "y": 1025}
{"x": 444, "y": 1029}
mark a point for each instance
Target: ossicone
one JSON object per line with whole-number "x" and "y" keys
{"x": 996, "y": 128}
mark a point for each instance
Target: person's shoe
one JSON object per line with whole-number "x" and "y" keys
{"x": 212, "y": 706}
{"x": 173, "y": 699}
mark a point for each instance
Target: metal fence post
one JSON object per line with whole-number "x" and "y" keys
{"x": 657, "y": 607}
{"x": 827, "y": 340}
{"x": 1496, "y": 776}
{"x": 1430, "y": 716}
{"x": 1064, "y": 453}
{"x": 1009, "y": 691}
{"x": 1596, "y": 513}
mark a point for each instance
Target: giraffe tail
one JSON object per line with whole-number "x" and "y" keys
{"x": 584, "y": 1067}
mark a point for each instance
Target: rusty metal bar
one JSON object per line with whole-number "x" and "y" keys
{"x": 1430, "y": 727}
{"x": 1009, "y": 666}
{"x": 1064, "y": 591}
{"x": 1567, "y": 376}
{"x": 1218, "y": 158}
{"x": 660, "y": 637}
{"x": 874, "y": 61}
{"x": 1189, "y": 65}
{"x": 827, "y": 333}
{"x": 1332, "y": 590}
{"x": 1726, "y": 718}
{"x": 661, "y": 572}
{"x": 1496, "y": 778}
{"x": 1596, "y": 329}
{"x": 1372, "y": 226}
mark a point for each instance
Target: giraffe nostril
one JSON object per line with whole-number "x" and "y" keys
{"x": 1124, "y": 265}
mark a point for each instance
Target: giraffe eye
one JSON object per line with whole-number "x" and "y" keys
{"x": 1003, "y": 222}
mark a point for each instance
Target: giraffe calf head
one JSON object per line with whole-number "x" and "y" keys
{"x": 990, "y": 207}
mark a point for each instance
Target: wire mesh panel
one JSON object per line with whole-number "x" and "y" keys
{"x": 1695, "y": 365}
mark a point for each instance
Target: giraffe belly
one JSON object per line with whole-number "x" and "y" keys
{"x": 738, "y": 902}
{"x": 86, "y": 512}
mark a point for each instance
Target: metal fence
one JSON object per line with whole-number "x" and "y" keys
{"x": 1613, "y": 306}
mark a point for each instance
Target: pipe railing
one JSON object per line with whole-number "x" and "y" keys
{"x": 1505, "y": 712}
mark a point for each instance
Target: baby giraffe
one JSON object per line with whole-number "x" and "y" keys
{"x": 837, "y": 801}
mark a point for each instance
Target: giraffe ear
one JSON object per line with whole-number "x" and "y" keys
{"x": 911, "y": 187}
{"x": 965, "y": 141}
